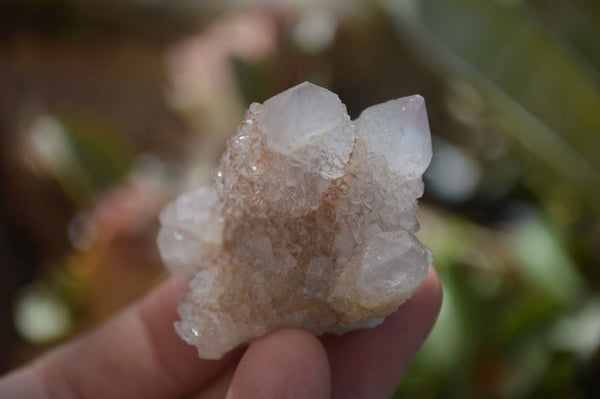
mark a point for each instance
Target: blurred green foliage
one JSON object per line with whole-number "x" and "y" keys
{"x": 536, "y": 85}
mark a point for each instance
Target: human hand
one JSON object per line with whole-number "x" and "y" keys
{"x": 137, "y": 354}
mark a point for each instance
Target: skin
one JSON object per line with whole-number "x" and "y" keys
{"x": 137, "y": 354}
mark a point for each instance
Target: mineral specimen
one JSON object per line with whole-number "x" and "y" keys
{"x": 310, "y": 223}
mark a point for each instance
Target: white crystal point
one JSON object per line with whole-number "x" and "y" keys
{"x": 189, "y": 230}
{"x": 304, "y": 116}
{"x": 309, "y": 225}
{"x": 291, "y": 118}
{"x": 398, "y": 130}
{"x": 393, "y": 264}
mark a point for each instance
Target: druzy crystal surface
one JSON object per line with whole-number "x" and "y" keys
{"x": 310, "y": 222}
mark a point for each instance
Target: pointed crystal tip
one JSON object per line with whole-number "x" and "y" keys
{"x": 294, "y": 117}
{"x": 398, "y": 130}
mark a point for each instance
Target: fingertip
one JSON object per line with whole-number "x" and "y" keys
{"x": 371, "y": 362}
{"x": 287, "y": 363}
{"x": 433, "y": 284}
{"x": 428, "y": 298}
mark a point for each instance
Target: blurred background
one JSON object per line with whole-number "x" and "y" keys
{"x": 108, "y": 109}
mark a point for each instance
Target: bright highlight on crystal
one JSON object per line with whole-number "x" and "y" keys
{"x": 310, "y": 223}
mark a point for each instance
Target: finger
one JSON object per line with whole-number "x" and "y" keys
{"x": 217, "y": 388}
{"x": 287, "y": 363}
{"x": 370, "y": 363}
{"x": 136, "y": 354}
{"x": 21, "y": 384}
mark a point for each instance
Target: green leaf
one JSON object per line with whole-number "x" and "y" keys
{"x": 535, "y": 84}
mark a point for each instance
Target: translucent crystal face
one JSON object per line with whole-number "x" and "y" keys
{"x": 324, "y": 140}
{"x": 310, "y": 223}
{"x": 284, "y": 126}
{"x": 399, "y": 131}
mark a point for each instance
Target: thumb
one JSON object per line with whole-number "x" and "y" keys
{"x": 288, "y": 363}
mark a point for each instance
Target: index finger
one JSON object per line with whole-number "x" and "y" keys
{"x": 370, "y": 363}
{"x": 135, "y": 354}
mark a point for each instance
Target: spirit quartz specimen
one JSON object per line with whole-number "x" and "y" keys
{"x": 310, "y": 222}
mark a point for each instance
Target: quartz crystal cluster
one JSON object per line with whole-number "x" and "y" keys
{"x": 310, "y": 222}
